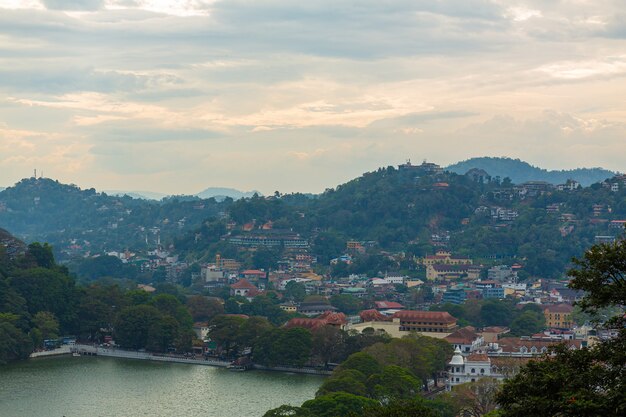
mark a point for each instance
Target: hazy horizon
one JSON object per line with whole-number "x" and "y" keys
{"x": 175, "y": 97}
{"x": 156, "y": 194}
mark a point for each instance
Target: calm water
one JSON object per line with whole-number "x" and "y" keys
{"x": 109, "y": 387}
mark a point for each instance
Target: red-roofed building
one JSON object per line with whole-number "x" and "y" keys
{"x": 466, "y": 339}
{"x": 516, "y": 346}
{"x": 307, "y": 323}
{"x": 244, "y": 288}
{"x": 426, "y": 321}
{"x": 388, "y": 305}
{"x": 329, "y": 318}
{"x": 373, "y": 315}
{"x": 253, "y": 274}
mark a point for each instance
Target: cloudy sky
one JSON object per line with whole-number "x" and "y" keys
{"x": 176, "y": 96}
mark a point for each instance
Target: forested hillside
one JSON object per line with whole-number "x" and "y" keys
{"x": 76, "y": 221}
{"x": 415, "y": 214}
{"x": 393, "y": 210}
{"x": 520, "y": 171}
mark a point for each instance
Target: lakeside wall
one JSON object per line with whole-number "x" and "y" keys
{"x": 129, "y": 354}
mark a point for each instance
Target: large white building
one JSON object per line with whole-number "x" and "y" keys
{"x": 469, "y": 369}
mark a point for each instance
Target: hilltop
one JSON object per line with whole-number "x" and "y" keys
{"x": 408, "y": 209}
{"x": 220, "y": 193}
{"x": 519, "y": 171}
{"x": 77, "y": 221}
{"x": 414, "y": 211}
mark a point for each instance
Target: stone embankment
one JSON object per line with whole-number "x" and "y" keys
{"x": 131, "y": 354}
{"x": 63, "y": 350}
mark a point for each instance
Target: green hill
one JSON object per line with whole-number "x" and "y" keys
{"x": 76, "y": 220}
{"x": 404, "y": 211}
{"x": 520, "y": 171}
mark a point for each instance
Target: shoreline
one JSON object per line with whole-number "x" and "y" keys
{"x": 88, "y": 350}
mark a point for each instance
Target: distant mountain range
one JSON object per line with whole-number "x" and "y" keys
{"x": 144, "y": 195}
{"x": 219, "y": 193}
{"x": 519, "y": 171}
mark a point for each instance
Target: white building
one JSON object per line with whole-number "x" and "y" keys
{"x": 468, "y": 369}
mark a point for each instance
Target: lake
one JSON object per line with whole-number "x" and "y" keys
{"x": 110, "y": 387}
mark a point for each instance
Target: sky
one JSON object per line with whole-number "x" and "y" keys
{"x": 177, "y": 96}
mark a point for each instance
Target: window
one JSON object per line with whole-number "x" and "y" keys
{"x": 473, "y": 370}
{"x": 482, "y": 371}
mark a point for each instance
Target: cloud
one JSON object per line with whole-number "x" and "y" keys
{"x": 82, "y": 5}
{"x": 193, "y": 93}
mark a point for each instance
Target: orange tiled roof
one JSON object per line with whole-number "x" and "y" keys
{"x": 439, "y": 316}
{"x": 243, "y": 284}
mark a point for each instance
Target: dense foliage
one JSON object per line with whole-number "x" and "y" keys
{"x": 520, "y": 171}
{"x": 586, "y": 382}
{"x": 40, "y": 301}
{"x": 398, "y": 210}
{"x": 74, "y": 220}
{"x": 395, "y": 209}
{"x": 524, "y": 321}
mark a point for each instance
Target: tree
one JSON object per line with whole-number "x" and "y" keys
{"x": 204, "y": 308}
{"x": 252, "y": 329}
{"x": 327, "y": 344}
{"x": 14, "y": 344}
{"x": 602, "y": 274}
{"x": 349, "y": 380}
{"x": 48, "y": 290}
{"x": 528, "y": 323}
{"x": 346, "y": 303}
{"x": 338, "y": 404}
{"x": 46, "y": 325}
{"x": 288, "y": 411}
{"x": 224, "y": 330}
{"x": 585, "y": 382}
{"x": 133, "y": 326}
{"x": 362, "y": 362}
{"x": 476, "y": 399}
{"x": 414, "y": 407}
{"x": 280, "y": 346}
{"x": 423, "y": 356}
{"x": 295, "y": 291}
{"x": 42, "y": 254}
{"x": 162, "y": 334}
{"x": 393, "y": 383}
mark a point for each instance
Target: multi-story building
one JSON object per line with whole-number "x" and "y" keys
{"x": 559, "y": 316}
{"x": 447, "y": 271}
{"x": 426, "y": 321}
{"x": 469, "y": 369}
{"x": 466, "y": 339}
{"x": 445, "y": 258}
{"x": 501, "y": 273}
{"x": 454, "y": 295}
{"x": 490, "y": 289}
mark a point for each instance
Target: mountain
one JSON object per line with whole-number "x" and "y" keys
{"x": 144, "y": 195}
{"x": 519, "y": 171}
{"x": 220, "y": 193}
{"x": 408, "y": 210}
{"x": 76, "y": 221}
{"x": 12, "y": 245}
